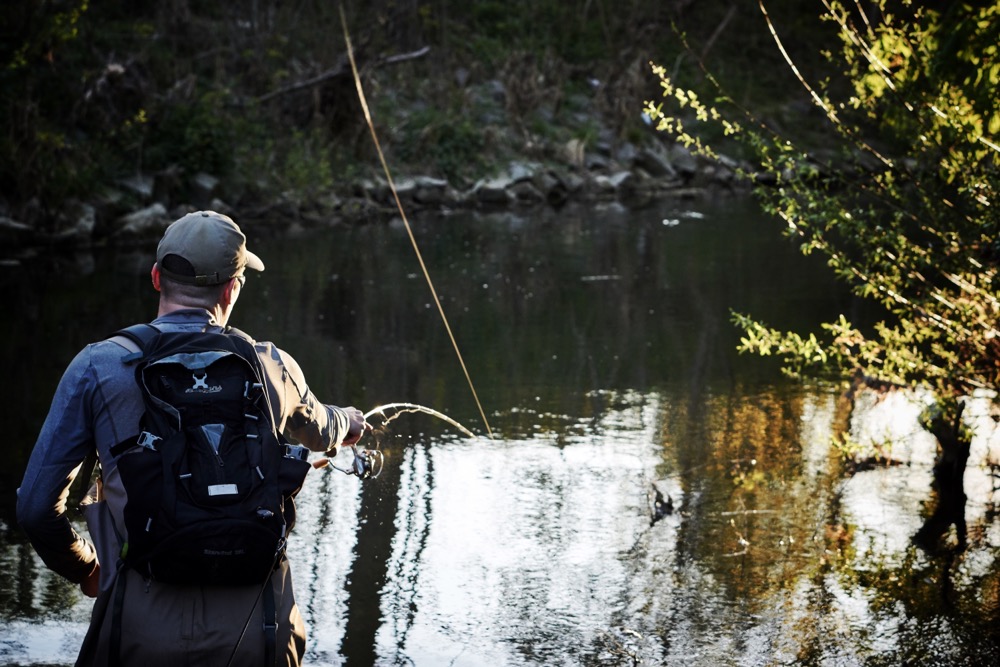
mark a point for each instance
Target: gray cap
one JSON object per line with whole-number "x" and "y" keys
{"x": 213, "y": 246}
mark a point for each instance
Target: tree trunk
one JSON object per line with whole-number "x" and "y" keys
{"x": 949, "y": 483}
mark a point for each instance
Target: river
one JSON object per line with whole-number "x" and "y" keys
{"x": 598, "y": 340}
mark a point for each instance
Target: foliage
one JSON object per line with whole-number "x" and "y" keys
{"x": 93, "y": 93}
{"x": 444, "y": 143}
{"x": 38, "y": 152}
{"x": 299, "y": 166}
{"x": 909, "y": 219}
{"x": 200, "y": 136}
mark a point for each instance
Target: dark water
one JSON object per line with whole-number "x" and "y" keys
{"x": 599, "y": 343}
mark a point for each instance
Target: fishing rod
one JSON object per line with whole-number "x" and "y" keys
{"x": 402, "y": 214}
{"x": 367, "y": 462}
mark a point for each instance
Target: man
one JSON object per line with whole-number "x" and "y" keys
{"x": 199, "y": 273}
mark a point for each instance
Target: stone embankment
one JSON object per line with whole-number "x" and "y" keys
{"x": 628, "y": 174}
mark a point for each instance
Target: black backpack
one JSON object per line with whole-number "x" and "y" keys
{"x": 209, "y": 480}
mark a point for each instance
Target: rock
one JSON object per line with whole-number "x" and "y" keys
{"x": 627, "y": 153}
{"x": 596, "y": 162}
{"x": 728, "y": 162}
{"x": 497, "y": 91}
{"x": 140, "y": 184}
{"x": 603, "y": 185}
{"x": 525, "y": 192}
{"x": 573, "y": 152}
{"x": 614, "y": 184}
{"x": 167, "y": 184}
{"x": 719, "y": 174}
{"x": 550, "y": 186}
{"x": 683, "y": 161}
{"x": 203, "y": 188}
{"x": 655, "y": 164}
{"x": 768, "y": 178}
{"x": 520, "y": 171}
{"x": 144, "y": 222}
{"x": 622, "y": 179}
{"x": 429, "y": 191}
{"x": 572, "y": 181}
{"x": 405, "y": 188}
{"x": 86, "y": 222}
{"x": 493, "y": 191}
{"x": 220, "y": 206}
{"x": 13, "y": 232}
{"x": 374, "y": 189}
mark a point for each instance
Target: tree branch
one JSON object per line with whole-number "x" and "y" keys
{"x": 341, "y": 69}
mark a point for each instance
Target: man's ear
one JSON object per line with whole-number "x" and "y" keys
{"x": 154, "y": 274}
{"x": 229, "y": 293}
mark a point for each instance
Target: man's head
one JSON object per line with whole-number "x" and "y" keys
{"x": 204, "y": 248}
{"x": 200, "y": 262}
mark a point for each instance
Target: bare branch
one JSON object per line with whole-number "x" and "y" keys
{"x": 341, "y": 69}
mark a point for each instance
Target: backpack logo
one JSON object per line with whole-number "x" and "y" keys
{"x": 200, "y": 385}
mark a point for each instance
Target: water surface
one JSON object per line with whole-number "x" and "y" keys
{"x": 599, "y": 342}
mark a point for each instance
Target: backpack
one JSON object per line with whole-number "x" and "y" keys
{"x": 209, "y": 481}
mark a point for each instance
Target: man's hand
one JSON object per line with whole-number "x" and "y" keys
{"x": 91, "y": 586}
{"x": 358, "y": 426}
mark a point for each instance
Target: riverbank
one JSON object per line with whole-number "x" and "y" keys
{"x": 633, "y": 175}
{"x": 475, "y": 106}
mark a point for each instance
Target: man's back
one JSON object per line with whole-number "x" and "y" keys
{"x": 200, "y": 271}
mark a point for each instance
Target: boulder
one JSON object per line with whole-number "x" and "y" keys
{"x": 685, "y": 164}
{"x": 203, "y": 188}
{"x": 526, "y": 193}
{"x": 141, "y": 184}
{"x": 493, "y": 191}
{"x": 430, "y": 191}
{"x": 145, "y": 222}
{"x": 654, "y": 163}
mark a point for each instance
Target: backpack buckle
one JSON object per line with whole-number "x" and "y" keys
{"x": 300, "y": 452}
{"x": 148, "y": 440}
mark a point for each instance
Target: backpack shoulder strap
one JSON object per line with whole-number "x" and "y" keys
{"x": 134, "y": 339}
{"x": 233, "y": 331}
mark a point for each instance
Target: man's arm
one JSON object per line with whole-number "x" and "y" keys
{"x": 65, "y": 439}
{"x": 316, "y": 425}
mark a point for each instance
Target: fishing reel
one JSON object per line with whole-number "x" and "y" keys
{"x": 366, "y": 464}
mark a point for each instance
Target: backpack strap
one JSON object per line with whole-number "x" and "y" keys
{"x": 270, "y": 625}
{"x": 239, "y": 333}
{"x": 134, "y": 339}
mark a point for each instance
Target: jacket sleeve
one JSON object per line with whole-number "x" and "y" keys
{"x": 65, "y": 440}
{"x": 304, "y": 418}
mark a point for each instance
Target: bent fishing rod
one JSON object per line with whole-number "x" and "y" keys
{"x": 367, "y": 462}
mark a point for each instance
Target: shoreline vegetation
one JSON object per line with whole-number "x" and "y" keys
{"x": 476, "y": 108}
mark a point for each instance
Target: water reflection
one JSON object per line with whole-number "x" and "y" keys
{"x": 600, "y": 345}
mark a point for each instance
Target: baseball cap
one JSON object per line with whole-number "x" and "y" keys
{"x": 204, "y": 248}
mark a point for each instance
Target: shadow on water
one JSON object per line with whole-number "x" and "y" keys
{"x": 600, "y": 343}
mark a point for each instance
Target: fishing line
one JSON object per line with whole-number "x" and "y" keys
{"x": 402, "y": 213}
{"x": 368, "y": 462}
{"x": 401, "y": 408}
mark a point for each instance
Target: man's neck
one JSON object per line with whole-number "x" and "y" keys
{"x": 219, "y": 315}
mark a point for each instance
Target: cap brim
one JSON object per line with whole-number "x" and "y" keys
{"x": 253, "y": 262}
